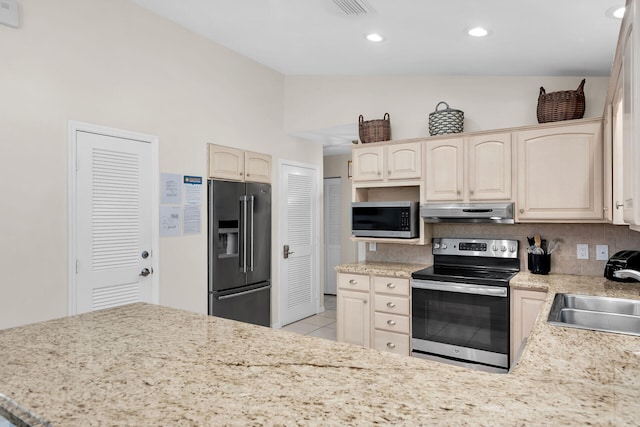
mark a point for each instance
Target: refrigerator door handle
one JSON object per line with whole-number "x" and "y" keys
{"x": 252, "y": 291}
{"x": 251, "y": 210}
{"x": 243, "y": 212}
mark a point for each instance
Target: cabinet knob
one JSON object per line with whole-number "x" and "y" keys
{"x": 471, "y": 192}
{"x": 247, "y": 174}
{"x": 390, "y": 285}
{"x": 521, "y": 210}
{"x": 364, "y": 301}
{"x": 390, "y": 305}
{"x": 391, "y": 345}
{"x": 379, "y": 174}
{"x": 240, "y": 173}
{"x": 619, "y": 205}
{"x": 353, "y": 282}
{"x": 389, "y": 172}
{"x": 391, "y": 322}
{"x": 458, "y": 192}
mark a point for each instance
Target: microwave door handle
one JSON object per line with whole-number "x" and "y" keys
{"x": 493, "y": 291}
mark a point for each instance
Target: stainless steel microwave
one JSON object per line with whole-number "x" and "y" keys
{"x": 385, "y": 219}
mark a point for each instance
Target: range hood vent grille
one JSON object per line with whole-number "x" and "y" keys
{"x": 353, "y": 7}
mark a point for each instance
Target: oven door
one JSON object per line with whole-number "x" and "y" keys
{"x": 461, "y": 321}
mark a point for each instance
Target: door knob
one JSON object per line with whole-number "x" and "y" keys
{"x": 286, "y": 252}
{"x": 145, "y": 272}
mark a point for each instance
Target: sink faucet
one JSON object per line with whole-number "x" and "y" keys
{"x": 627, "y": 273}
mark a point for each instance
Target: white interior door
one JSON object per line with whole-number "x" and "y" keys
{"x": 299, "y": 290}
{"x": 332, "y": 232}
{"x": 114, "y": 225}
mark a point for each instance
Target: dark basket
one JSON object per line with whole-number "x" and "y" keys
{"x": 375, "y": 130}
{"x": 562, "y": 105}
{"x": 445, "y": 121}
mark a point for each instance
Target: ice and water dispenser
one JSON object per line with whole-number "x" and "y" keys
{"x": 227, "y": 239}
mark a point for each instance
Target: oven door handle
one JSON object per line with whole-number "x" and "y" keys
{"x": 492, "y": 291}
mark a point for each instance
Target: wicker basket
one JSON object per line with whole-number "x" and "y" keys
{"x": 563, "y": 105}
{"x": 375, "y": 130}
{"x": 445, "y": 121}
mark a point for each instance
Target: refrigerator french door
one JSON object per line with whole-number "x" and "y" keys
{"x": 239, "y": 237}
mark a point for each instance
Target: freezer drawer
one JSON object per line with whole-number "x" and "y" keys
{"x": 250, "y": 304}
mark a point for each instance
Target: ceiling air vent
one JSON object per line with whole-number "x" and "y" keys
{"x": 353, "y": 7}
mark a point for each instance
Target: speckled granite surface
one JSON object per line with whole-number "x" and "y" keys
{"x": 147, "y": 365}
{"x": 381, "y": 268}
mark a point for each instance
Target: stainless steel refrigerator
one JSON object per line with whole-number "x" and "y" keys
{"x": 239, "y": 235}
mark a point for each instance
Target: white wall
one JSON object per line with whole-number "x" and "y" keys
{"x": 319, "y": 102}
{"x": 115, "y": 64}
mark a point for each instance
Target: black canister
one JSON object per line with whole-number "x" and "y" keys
{"x": 539, "y": 263}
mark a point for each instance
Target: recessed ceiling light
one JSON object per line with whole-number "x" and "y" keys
{"x": 374, "y": 37}
{"x": 615, "y": 12}
{"x": 477, "y": 32}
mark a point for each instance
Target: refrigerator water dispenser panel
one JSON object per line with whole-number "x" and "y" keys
{"x": 227, "y": 239}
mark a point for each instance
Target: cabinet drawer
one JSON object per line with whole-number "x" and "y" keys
{"x": 392, "y": 285}
{"x": 391, "y": 342}
{"x": 393, "y": 305}
{"x": 391, "y": 322}
{"x": 355, "y": 282}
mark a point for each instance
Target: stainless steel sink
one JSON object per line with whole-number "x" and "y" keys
{"x": 605, "y": 314}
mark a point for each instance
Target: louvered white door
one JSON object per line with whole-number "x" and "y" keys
{"x": 114, "y": 224}
{"x": 300, "y": 287}
{"x": 332, "y": 232}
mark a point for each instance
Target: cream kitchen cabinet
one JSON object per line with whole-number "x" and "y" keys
{"x": 392, "y": 315}
{"x": 473, "y": 168}
{"x": 353, "y": 316}
{"x": 238, "y": 165}
{"x": 387, "y": 162}
{"x": 560, "y": 173}
{"x": 525, "y": 307}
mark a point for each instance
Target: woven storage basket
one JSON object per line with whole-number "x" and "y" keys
{"x": 375, "y": 130}
{"x": 445, "y": 121}
{"x": 562, "y": 105}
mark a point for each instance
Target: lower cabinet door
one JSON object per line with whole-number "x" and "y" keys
{"x": 353, "y": 324}
{"x": 392, "y": 342}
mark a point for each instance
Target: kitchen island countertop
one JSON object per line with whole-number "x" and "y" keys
{"x": 144, "y": 364}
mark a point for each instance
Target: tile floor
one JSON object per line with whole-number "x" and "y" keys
{"x": 322, "y": 325}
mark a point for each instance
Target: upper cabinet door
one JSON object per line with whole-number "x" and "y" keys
{"x": 404, "y": 161}
{"x": 560, "y": 173}
{"x": 226, "y": 163}
{"x": 489, "y": 167}
{"x": 444, "y": 170}
{"x": 257, "y": 167}
{"x": 368, "y": 163}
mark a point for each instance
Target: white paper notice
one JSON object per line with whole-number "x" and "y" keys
{"x": 171, "y": 192}
{"x": 192, "y": 204}
{"x": 169, "y": 220}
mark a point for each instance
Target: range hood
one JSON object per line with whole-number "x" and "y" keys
{"x": 495, "y": 213}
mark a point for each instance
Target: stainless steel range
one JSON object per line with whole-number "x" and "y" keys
{"x": 460, "y": 305}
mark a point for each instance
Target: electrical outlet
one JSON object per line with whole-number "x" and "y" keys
{"x": 602, "y": 252}
{"x": 372, "y": 246}
{"x": 583, "y": 251}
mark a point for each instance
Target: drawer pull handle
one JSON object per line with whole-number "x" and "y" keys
{"x": 353, "y": 282}
{"x": 391, "y": 322}
{"x": 390, "y": 285}
{"x": 391, "y": 305}
{"x": 391, "y": 345}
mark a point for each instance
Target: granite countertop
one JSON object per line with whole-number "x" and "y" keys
{"x": 381, "y": 268}
{"x": 144, "y": 364}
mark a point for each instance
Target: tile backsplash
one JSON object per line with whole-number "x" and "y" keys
{"x": 563, "y": 260}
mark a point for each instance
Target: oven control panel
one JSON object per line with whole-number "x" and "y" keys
{"x": 495, "y": 248}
